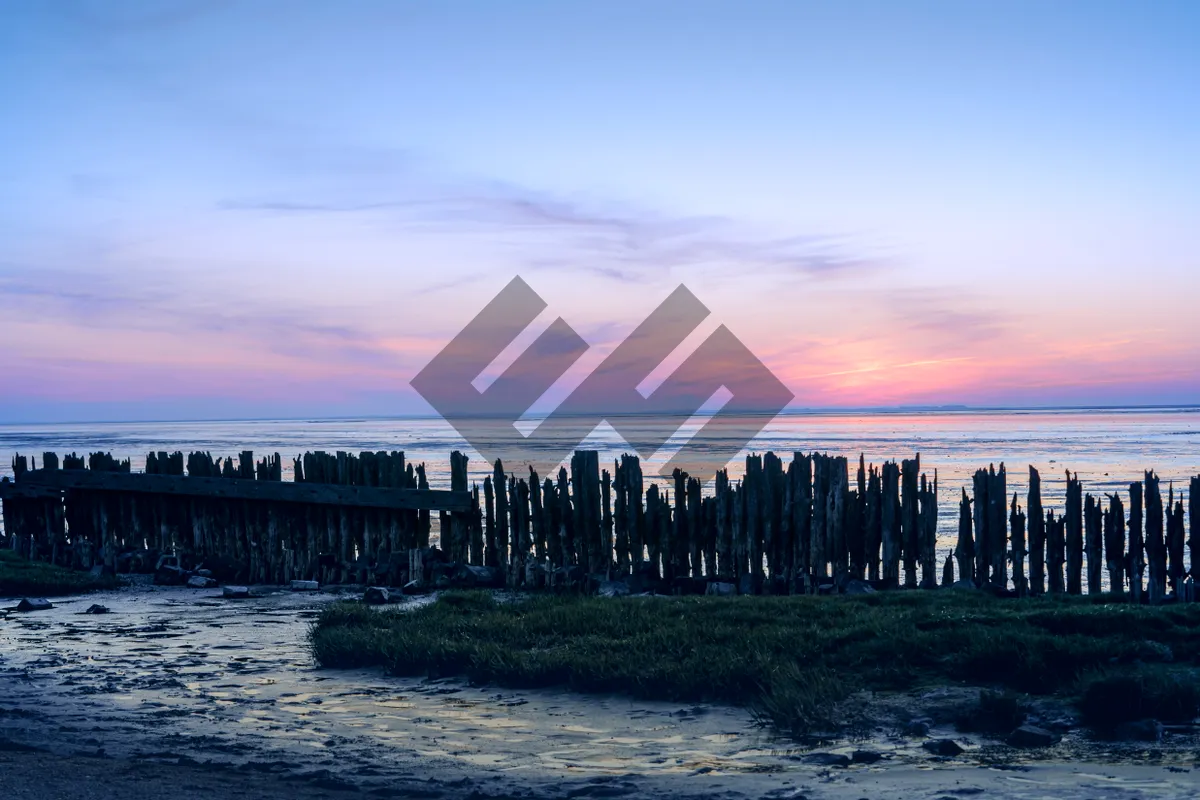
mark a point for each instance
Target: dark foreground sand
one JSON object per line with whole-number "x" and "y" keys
{"x": 42, "y": 776}
{"x": 180, "y": 694}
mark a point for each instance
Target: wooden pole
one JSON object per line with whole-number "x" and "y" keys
{"x": 1137, "y": 548}
{"x": 1093, "y": 543}
{"x": 1194, "y": 521}
{"x": 1175, "y": 544}
{"x": 1017, "y": 523}
{"x": 983, "y": 543}
{"x": 910, "y": 517}
{"x": 1037, "y": 534}
{"x": 1155, "y": 547}
{"x": 1114, "y": 543}
{"x": 998, "y": 526}
{"x": 891, "y": 524}
{"x": 1074, "y": 534}
{"x": 964, "y": 550}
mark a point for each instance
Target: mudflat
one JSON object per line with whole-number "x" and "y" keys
{"x": 178, "y": 688}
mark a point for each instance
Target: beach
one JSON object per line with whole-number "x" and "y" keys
{"x": 179, "y": 688}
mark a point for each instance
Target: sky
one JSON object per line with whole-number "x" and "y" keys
{"x": 257, "y": 208}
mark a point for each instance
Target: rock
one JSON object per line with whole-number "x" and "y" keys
{"x": 470, "y": 576}
{"x": 917, "y": 727}
{"x": 825, "y": 588}
{"x": 721, "y": 589}
{"x": 414, "y": 587}
{"x": 35, "y": 604}
{"x": 236, "y": 592}
{"x": 856, "y": 586}
{"x": 826, "y": 759}
{"x": 613, "y": 589}
{"x": 865, "y": 757}
{"x": 1032, "y": 736}
{"x": 96, "y": 608}
{"x": 204, "y": 573}
{"x": 305, "y": 586}
{"x": 1144, "y": 730}
{"x": 964, "y": 585}
{"x": 943, "y": 747}
{"x": 376, "y": 596}
{"x": 167, "y": 575}
{"x": 200, "y": 582}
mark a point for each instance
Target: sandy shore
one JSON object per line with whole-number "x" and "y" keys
{"x": 178, "y": 688}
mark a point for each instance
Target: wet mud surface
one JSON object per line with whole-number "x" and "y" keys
{"x": 184, "y": 677}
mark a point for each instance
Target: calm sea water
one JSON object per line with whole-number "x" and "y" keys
{"x": 1107, "y": 448}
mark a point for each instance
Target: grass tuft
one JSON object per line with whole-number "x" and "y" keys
{"x": 792, "y": 660}
{"x": 20, "y": 577}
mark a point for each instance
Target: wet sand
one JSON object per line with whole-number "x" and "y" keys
{"x": 178, "y": 683}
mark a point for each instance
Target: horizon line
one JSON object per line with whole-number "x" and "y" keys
{"x": 805, "y": 411}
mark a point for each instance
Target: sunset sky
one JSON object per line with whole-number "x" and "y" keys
{"x": 266, "y": 208}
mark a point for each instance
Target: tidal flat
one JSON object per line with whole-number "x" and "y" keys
{"x": 185, "y": 688}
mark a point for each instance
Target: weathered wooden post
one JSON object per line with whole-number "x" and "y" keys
{"x": 606, "y": 523}
{"x": 653, "y": 540}
{"x": 459, "y": 535}
{"x": 800, "y": 476}
{"x": 891, "y": 524}
{"x": 1137, "y": 548}
{"x": 910, "y": 518}
{"x": 1155, "y": 547}
{"x": 1175, "y": 543}
{"x": 1037, "y": 534}
{"x": 874, "y": 524}
{"x": 1114, "y": 543}
{"x": 1055, "y": 552}
{"x": 983, "y": 542}
{"x": 928, "y": 522}
{"x": 1093, "y": 544}
{"x": 1017, "y": 523}
{"x": 818, "y": 554}
{"x": 1074, "y": 527}
{"x": 964, "y": 550}
{"x": 631, "y": 467}
{"x": 491, "y": 552}
{"x": 566, "y": 527}
{"x": 695, "y": 526}
{"x": 621, "y": 517}
{"x": 535, "y": 568}
{"x": 1194, "y": 522}
{"x": 998, "y": 526}
{"x": 752, "y": 484}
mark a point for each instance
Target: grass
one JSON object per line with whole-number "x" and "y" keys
{"x": 20, "y": 577}
{"x": 791, "y": 659}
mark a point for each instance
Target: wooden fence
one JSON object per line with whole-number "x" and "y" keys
{"x": 815, "y": 524}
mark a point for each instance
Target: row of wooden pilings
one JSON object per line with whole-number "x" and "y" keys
{"x": 255, "y": 541}
{"x": 810, "y": 525}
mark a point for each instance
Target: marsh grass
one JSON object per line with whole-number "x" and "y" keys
{"x": 791, "y": 659}
{"x": 20, "y": 577}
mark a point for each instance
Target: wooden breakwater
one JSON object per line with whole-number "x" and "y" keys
{"x": 818, "y": 523}
{"x": 344, "y": 518}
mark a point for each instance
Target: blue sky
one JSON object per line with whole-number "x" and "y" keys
{"x": 250, "y": 208}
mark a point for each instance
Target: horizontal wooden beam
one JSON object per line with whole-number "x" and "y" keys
{"x": 19, "y": 491}
{"x": 245, "y": 489}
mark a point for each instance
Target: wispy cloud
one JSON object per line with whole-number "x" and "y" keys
{"x": 611, "y": 239}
